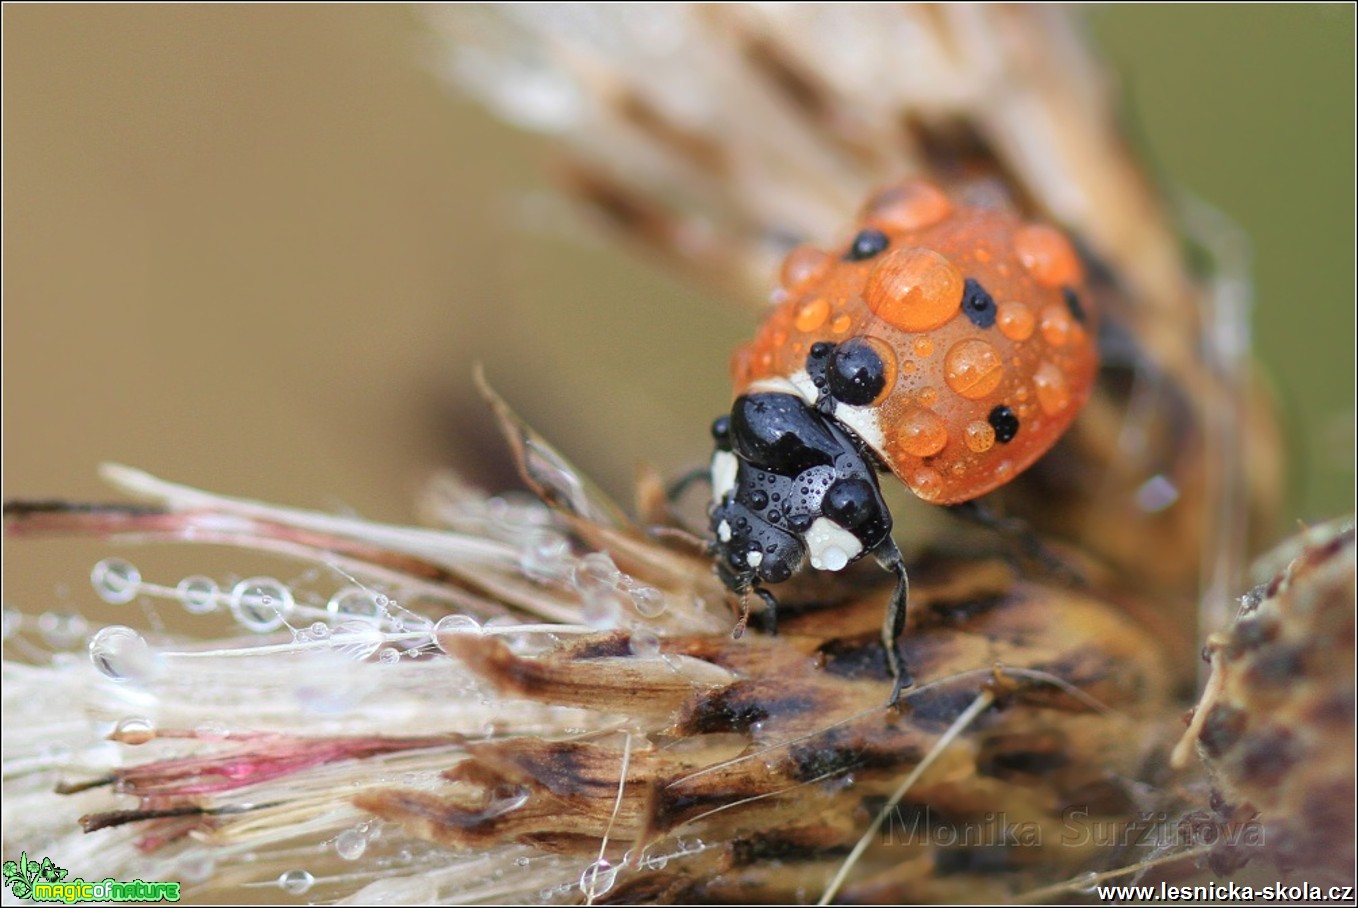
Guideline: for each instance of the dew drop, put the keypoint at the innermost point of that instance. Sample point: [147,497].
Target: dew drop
[597,579]
[1047,255]
[802,265]
[1053,393]
[596,571]
[922,433]
[134,730]
[449,625]
[973,369]
[115,580]
[649,601]
[1016,321]
[1054,323]
[812,314]
[926,483]
[261,604]
[644,644]
[296,882]
[121,654]
[545,556]
[319,630]
[388,655]
[598,878]
[354,602]
[914,289]
[979,436]
[199,594]
[351,844]
[62,629]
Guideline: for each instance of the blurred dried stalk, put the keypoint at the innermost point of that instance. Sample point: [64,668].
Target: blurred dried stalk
[541,702]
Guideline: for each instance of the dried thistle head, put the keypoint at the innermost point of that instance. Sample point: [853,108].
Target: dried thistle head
[599,727]
[1275,725]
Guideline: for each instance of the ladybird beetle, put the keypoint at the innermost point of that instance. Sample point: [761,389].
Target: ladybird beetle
[951,344]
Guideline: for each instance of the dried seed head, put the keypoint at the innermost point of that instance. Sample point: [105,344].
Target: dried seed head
[1276,723]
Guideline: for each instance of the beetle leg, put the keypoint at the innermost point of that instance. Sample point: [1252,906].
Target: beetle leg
[1018,534]
[893,623]
[676,489]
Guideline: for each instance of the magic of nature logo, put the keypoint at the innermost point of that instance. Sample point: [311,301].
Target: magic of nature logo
[44,881]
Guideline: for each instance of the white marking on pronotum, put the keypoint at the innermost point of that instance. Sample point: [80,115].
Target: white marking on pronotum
[863,422]
[830,545]
[724,531]
[777,385]
[724,465]
[806,388]
[754,559]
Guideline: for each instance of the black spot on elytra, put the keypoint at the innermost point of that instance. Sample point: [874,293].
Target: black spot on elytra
[1077,309]
[868,243]
[978,304]
[1004,422]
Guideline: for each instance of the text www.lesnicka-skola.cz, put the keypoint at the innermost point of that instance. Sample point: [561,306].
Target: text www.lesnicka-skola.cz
[1226,892]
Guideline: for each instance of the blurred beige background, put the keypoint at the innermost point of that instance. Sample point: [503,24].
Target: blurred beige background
[259,248]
